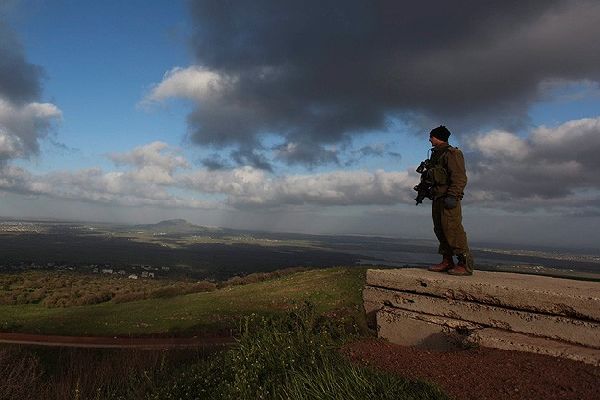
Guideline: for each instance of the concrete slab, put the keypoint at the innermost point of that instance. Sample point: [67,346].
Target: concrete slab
[539,294]
[515,341]
[572,330]
[414,329]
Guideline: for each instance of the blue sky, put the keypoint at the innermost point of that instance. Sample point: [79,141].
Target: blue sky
[229,115]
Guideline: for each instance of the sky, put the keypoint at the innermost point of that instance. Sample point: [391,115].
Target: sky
[303,116]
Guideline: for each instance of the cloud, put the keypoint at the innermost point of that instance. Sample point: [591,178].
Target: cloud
[375,150]
[501,144]
[22,126]
[23,120]
[249,187]
[304,153]
[554,167]
[319,72]
[19,79]
[194,83]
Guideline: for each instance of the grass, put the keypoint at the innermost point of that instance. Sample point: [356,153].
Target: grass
[330,290]
[288,334]
[291,357]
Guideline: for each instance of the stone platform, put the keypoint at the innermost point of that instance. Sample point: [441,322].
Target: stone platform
[553,316]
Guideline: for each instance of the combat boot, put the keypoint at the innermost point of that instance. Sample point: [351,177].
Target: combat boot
[444,266]
[464,267]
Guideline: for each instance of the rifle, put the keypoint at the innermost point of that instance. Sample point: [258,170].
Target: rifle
[425,187]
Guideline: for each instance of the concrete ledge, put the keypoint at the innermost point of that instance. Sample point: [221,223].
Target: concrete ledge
[571,330]
[544,315]
[414,329]
[540,294]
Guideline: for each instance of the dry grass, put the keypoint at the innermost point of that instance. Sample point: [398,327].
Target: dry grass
[28,373]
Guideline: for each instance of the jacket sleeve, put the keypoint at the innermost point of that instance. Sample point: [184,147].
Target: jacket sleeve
[456,173]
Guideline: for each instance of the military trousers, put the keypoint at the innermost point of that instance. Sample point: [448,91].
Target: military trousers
[447,225]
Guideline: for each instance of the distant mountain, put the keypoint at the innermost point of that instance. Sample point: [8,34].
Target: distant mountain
[175,226]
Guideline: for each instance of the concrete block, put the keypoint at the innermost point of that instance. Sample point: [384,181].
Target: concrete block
[504,340]
[572,330]
[539,294]
[414,329]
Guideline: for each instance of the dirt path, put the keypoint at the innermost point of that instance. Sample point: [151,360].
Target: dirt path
[112,342]
[482,373]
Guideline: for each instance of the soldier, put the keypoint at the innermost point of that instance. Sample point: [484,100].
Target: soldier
[447,172]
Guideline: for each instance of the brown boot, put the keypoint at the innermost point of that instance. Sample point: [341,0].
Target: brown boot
[444,266]
[464,267]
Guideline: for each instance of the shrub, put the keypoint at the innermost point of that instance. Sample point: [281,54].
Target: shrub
[291,357]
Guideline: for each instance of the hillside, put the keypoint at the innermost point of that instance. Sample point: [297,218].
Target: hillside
[217,311]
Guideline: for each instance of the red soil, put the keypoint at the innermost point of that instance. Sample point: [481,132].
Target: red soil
[113,342]
[483,373]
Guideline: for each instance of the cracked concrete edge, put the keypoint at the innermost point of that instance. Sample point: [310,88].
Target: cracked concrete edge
[566,297]
[553,327]
[414,329]
[495,338]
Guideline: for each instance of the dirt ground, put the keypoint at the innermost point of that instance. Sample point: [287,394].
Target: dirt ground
[482,373]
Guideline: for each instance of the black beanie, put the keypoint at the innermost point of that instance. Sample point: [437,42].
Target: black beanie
[441,132]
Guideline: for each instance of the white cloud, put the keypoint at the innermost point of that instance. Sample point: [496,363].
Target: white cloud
[22,126]
[548,169]
[155,162]
[248,186]
[498,144]
[195,82]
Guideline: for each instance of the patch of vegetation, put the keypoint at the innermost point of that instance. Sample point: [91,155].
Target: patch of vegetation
[51,373]
[62,289]
[336,290]
[283,355]
[291,357]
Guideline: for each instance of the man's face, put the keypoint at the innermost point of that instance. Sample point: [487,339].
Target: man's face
[435,141]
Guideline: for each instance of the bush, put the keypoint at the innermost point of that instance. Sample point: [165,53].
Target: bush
[291,357]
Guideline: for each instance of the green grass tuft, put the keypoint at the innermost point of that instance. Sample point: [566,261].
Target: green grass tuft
[291,357]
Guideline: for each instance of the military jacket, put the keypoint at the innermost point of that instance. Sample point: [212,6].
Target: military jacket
[448,172]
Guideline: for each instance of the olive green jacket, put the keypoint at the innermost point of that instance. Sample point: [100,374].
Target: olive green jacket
[452,161]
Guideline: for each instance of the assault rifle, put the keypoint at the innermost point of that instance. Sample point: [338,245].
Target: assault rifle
[425,186]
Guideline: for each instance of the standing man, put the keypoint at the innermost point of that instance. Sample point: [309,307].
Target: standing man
[447,172]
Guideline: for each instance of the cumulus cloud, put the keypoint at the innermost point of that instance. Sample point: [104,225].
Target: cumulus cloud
[318,72]
[23,120]
[303,153]
[251,187]
[155,162]
[19,79]
[553,167]
[195,82]
[22,126]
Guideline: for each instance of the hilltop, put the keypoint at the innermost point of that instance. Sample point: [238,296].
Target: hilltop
[175,226]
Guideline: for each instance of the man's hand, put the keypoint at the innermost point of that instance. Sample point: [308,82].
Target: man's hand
[450,202]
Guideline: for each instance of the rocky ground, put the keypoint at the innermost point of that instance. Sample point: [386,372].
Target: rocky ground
[483,373]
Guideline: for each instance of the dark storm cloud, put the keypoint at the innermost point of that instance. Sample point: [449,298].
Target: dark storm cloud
[215,162]
[305,153]
[321,71]
[372,151]
[19,79]
[245,156]
[552,168]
